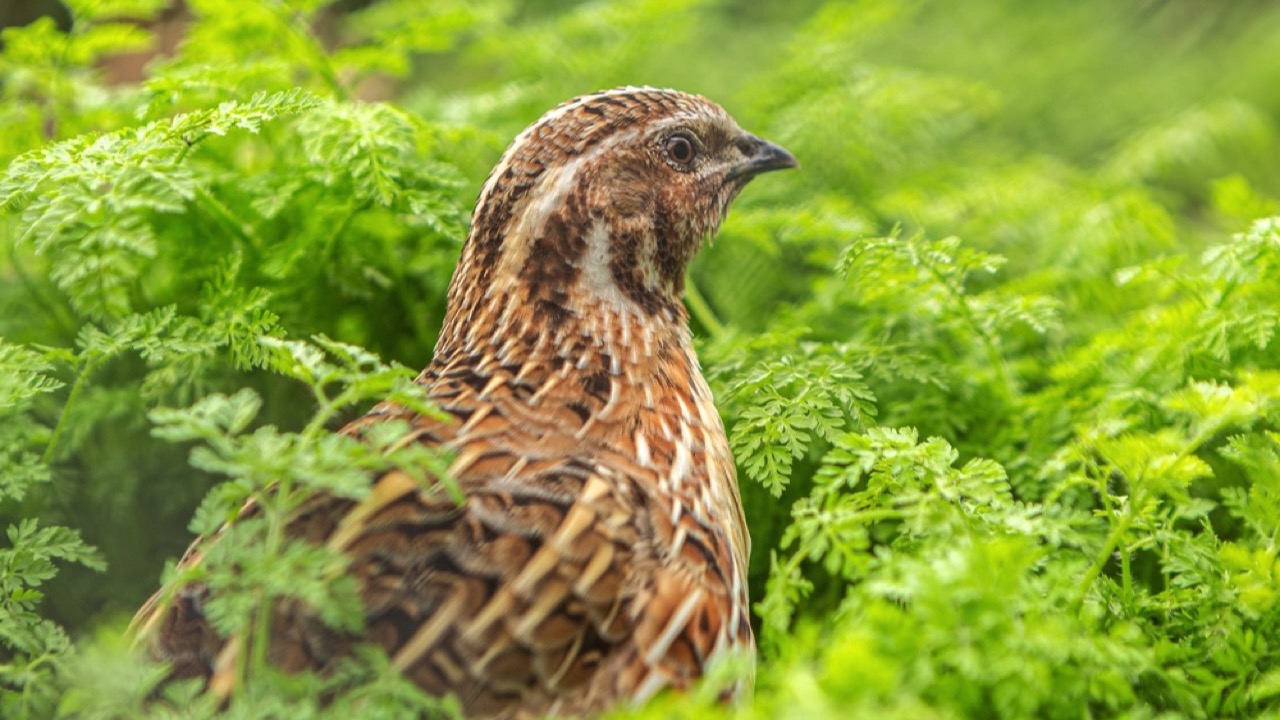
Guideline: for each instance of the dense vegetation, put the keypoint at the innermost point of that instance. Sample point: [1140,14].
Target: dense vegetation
[999,364]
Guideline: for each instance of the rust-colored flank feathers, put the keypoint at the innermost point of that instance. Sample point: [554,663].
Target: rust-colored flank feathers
[600,553]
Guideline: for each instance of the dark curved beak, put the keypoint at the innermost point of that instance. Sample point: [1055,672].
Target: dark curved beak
[760,156]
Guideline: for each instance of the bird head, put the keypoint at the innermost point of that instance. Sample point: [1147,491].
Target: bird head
[603,202]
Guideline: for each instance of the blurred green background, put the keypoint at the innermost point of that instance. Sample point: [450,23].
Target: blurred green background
[1078,139]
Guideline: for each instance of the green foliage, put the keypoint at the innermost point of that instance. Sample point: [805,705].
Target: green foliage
[34,649]
[998,365]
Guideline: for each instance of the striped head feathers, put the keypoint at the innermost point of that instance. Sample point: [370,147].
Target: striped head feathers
[602,203]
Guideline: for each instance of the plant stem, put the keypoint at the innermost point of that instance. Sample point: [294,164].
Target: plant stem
[51,306]
[994,358]
[1126,577]
[320,61]
[1113,541]
[223,214]
[90,365]
[276,507]
[702,311]
[182,154]
[262,621]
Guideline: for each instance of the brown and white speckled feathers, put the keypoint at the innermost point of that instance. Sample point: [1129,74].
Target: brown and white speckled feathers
[600,553]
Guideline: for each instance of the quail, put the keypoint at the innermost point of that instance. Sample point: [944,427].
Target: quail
[598,554]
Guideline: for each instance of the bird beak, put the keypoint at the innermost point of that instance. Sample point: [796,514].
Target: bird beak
[762,156]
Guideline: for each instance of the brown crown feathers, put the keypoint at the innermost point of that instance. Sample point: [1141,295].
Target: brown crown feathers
[600,553]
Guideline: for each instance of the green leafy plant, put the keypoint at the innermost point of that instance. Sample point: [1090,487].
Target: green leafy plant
[999,365]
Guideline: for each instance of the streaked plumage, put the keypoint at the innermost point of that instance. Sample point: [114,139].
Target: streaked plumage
[600,554]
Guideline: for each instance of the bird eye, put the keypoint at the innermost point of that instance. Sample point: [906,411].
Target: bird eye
[680,149]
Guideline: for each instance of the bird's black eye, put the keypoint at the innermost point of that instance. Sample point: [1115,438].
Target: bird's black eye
[680,149]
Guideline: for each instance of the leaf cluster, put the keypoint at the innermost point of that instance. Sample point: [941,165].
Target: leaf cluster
[998,366]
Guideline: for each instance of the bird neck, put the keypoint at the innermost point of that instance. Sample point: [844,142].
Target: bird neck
[520,326]
[558,282]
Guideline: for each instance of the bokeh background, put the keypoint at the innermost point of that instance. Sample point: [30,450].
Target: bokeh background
[1081,140]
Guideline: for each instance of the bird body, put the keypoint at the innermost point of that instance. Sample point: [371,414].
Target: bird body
[599,552]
